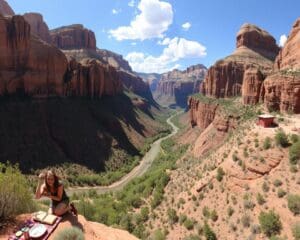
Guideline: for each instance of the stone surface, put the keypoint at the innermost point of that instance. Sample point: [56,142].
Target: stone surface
[73,37]
[151,78]
[177,85]
[5,9]
[281,90]
[28,65]
[114,59]
[38,26]
[252,61]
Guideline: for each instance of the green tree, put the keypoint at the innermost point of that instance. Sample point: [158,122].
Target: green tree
[270,223]
[208,232]
[281,139]
[294,153]
[173,218]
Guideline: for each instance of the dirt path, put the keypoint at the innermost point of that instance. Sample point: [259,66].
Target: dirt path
[136,172]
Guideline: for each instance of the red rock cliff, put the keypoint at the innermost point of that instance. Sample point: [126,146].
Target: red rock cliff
[73,37]
[177,85]
[38,26]
[26,64]
[242,72]
[281,90]
[5,9]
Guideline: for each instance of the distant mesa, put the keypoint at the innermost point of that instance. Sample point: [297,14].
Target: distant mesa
[73,37]
[5,9]
[175,86]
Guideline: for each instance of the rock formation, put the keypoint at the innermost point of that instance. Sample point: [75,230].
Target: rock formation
[151,78]
[114,59]
[38,26]
[177,85]
[73,37]
[5,9]
[281,90]
[28,65]
[242,72]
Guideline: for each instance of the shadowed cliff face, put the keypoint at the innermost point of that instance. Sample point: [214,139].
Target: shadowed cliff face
[41,133]
[242,72]
[281,90]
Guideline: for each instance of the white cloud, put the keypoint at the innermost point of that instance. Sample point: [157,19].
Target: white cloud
[165,41]
[154,19]
[178,48]
[131,3]
[115,11]
[133,43]
[282,40]
[186,26]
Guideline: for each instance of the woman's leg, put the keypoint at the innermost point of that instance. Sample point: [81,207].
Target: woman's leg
[61,209]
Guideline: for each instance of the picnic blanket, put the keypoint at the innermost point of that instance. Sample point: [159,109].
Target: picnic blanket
[50,229]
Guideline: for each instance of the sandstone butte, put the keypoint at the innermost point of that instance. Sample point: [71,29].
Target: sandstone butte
[281,90]
[5,9]
[38,26]
[79,43]
[179,84]
[92,230]
[33,67]
[243,72]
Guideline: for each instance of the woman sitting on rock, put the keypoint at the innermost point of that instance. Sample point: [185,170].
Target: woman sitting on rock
[49,186]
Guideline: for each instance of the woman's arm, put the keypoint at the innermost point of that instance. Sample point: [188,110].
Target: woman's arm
[39,190]
[60,190]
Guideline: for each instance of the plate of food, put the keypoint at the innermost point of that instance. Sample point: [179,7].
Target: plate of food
[37,231]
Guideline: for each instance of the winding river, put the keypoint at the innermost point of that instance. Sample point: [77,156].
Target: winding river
[136,172]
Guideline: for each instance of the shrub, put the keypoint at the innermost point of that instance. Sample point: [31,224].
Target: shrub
[246,220]
[214,215]
[71,233]
[205,212]
[296,231]
[265,187]
[192,237]
[15,197]
[260,199]
[281,193]
[230,211]
[189,224]
[220,174]
[277,182]
[294,138]
[281,139]
[158,235]
[267,143]
[209,233]
[294,203]
[270,223]
[235,157]
[294,153]
[173,218]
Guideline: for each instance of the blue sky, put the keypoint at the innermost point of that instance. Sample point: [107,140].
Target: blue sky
[158,35]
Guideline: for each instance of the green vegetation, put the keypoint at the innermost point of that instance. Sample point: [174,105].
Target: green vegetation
[296,231]
[281,193]
[260,199]
[270,223]
[71,233]
[294,153]
[220,174]
[158,235]
[208,232]
[15,197]
[120,208]
[281,139]
[267,143]
[294,203]
[229,106]
[173,218]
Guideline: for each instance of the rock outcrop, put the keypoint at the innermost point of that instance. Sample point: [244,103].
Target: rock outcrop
[177,85]
[281,90]
[242,72]
[5,9]
[91,78]
[73,37]
[28,65]
[151,78]
[114,59]
[38,26]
